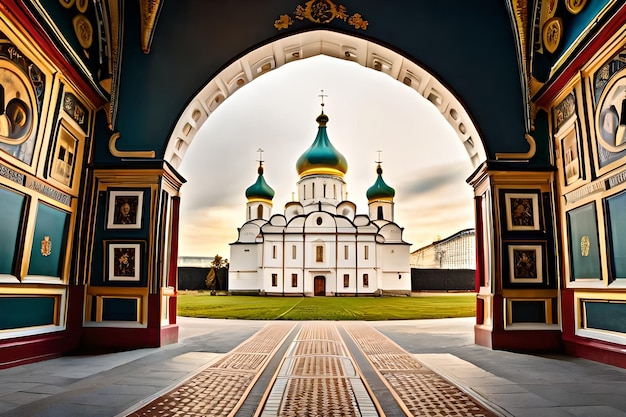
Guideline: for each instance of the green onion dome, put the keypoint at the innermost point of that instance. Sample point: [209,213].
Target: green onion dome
[260,190]
[322,157]
[380,190]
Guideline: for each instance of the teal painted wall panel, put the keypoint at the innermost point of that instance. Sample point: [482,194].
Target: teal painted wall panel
[583,231]
[53,223]
[26,312]
[616,207]
[119,309]
[604,315]
[11,207]
[528,312]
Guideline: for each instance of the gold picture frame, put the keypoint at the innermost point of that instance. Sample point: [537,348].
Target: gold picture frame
[526,264]
[125,209]
[123,261]
[522,211]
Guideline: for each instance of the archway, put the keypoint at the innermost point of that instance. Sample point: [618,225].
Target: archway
[309,44]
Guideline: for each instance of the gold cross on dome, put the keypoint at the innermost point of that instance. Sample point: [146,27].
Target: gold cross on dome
[379,161]
[322,96]
[260,151]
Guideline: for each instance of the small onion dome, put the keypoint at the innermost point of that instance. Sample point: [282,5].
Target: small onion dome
[322,157]
[380,190]
[260,190]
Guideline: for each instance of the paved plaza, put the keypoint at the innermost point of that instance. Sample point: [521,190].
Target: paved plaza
[283,368]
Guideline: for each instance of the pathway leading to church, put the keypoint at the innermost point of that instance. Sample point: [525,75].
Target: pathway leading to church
[316,369]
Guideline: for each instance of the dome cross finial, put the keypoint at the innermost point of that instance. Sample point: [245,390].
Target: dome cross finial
[260,151]
[322,96]
[379,160]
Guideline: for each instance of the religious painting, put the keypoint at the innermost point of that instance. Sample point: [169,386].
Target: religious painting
[125,208]
[525,263]
[64,157]
[522,211]
[571,156]
[584,247]
[615,208]
[123,261]
[610,113]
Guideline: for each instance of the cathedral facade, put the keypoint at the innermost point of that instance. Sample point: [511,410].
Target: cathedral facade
[320,246]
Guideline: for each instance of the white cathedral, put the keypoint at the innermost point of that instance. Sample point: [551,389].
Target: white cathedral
[320,246]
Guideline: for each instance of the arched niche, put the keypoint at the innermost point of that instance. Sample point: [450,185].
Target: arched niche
[309,44]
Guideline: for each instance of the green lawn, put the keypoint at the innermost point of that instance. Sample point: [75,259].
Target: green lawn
[201,304]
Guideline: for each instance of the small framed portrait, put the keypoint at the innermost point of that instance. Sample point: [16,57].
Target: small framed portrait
[125,208]
[123,261]
[63,164]
[522,211]
[570,153]
[525,263]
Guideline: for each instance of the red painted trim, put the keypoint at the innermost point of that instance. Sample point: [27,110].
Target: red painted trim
[611,28]
[173,272]
[599,351]
[480,253]
[18,14]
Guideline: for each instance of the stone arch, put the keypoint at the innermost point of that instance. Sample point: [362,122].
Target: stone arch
[321,42]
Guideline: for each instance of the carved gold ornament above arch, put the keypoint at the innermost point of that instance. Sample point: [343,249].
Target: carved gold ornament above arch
[322,12]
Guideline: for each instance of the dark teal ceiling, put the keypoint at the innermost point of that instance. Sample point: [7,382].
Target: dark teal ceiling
[468,45]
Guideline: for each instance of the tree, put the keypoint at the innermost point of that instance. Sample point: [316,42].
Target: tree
[219,266]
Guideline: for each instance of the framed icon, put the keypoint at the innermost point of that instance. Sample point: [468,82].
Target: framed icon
[522,211]
[123,261]
[525,263]
[125,208]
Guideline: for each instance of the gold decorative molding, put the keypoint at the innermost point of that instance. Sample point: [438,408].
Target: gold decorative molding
[149,11]
[518,155]
[127,154]
[322,12]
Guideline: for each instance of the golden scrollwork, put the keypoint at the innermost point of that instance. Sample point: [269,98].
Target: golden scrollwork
[322,12]
[283,22]
[126,154]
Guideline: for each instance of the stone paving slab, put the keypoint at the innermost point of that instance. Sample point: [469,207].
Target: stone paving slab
[220,389]
[420,391]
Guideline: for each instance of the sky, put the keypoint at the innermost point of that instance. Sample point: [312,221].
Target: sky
[422,157]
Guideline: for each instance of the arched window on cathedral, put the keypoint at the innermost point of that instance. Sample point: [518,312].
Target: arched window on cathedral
[259,211]
[380,213]
[313,190]
[324,190]
[334,190]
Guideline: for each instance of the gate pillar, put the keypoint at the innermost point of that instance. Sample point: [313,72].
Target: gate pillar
[517,281]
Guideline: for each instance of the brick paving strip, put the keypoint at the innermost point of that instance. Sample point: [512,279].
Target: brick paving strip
[221,388]
[418,390]
[318,378]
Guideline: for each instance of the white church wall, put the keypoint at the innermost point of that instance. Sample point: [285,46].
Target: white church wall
[244,281]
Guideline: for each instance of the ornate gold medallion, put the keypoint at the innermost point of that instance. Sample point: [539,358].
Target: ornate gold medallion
[575,6]
[83,30]
[552,33]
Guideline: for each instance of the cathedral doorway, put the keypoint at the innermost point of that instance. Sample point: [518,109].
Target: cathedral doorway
[319,285]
